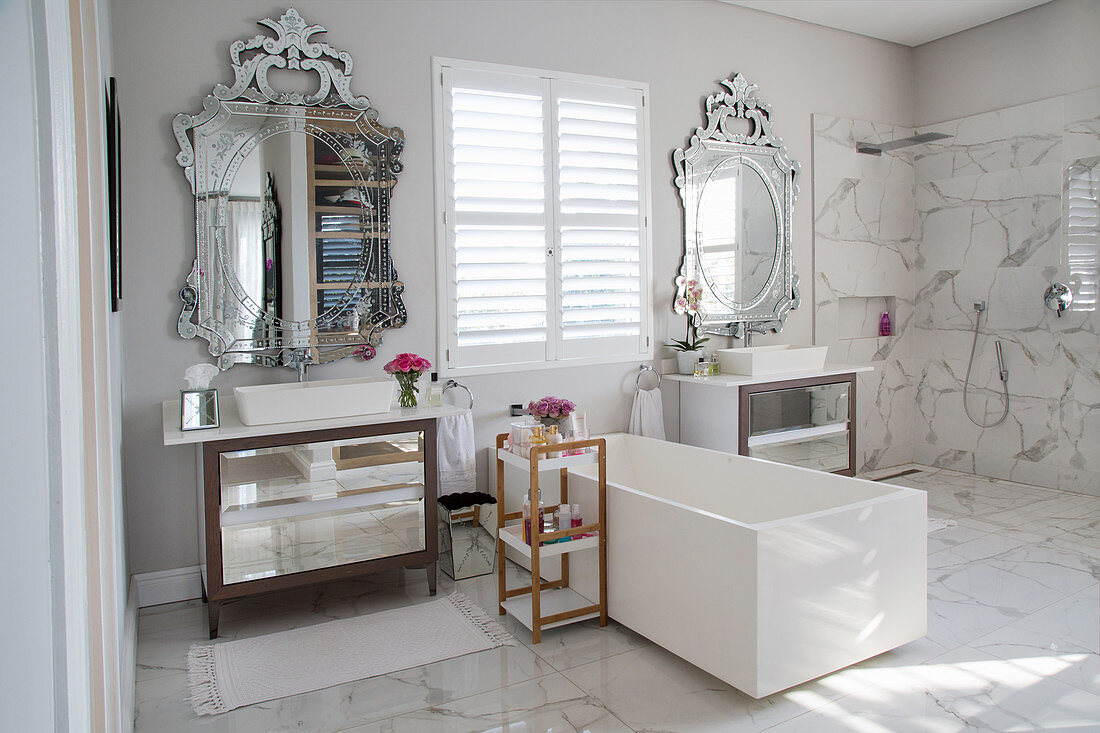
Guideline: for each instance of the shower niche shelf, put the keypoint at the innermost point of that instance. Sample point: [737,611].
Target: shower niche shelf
[858,316]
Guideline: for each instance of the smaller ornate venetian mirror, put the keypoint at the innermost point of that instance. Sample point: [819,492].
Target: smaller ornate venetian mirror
[738,188]
[292,207]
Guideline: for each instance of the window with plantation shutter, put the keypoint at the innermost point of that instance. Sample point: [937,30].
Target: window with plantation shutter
[544,247]
[1082,203]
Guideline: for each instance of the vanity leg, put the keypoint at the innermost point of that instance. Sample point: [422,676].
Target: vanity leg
[431,578]
[213,612]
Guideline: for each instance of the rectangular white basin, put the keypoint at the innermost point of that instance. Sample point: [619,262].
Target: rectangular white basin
[754,361]
[263,404]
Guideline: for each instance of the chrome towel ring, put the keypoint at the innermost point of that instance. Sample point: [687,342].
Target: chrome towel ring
[642,370]
[452,383]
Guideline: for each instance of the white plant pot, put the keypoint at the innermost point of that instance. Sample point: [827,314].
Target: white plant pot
[685,361]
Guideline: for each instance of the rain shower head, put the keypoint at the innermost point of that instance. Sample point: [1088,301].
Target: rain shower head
[878,148]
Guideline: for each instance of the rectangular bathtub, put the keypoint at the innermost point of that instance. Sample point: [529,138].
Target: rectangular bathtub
[764,575]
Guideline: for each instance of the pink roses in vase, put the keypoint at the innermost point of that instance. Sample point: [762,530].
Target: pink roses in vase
[551,410]
[407,368]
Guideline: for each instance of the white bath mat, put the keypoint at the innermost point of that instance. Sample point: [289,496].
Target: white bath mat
[225,676]
[935,524]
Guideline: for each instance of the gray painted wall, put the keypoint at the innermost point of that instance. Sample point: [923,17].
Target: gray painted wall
[169,54]
[1046,51]
[31,646]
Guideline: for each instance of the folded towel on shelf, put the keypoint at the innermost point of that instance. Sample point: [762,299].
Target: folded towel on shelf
[455,446]
[647,416]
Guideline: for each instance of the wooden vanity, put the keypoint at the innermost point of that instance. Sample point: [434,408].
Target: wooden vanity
[289,505]
[803,419]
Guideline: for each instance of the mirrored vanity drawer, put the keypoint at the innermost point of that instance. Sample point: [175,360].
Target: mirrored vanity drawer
[804,423]
[295,508]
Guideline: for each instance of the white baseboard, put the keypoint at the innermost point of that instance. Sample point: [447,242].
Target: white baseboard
[129,657]
[168,586]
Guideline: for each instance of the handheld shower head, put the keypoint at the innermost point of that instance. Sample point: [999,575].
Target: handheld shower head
[1001,361]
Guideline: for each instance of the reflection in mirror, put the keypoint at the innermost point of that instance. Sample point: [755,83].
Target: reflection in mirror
[271,499]
[736,233]
[292,196]
[738,187]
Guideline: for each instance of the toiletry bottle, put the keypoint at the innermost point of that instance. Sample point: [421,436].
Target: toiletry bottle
[537,436]
[715,367]
[435,391]
[575,519]
[527,520]
[884,326]
[541,518]
[702,368]
[580,431]
[553,437]
[565,520]
[549,524]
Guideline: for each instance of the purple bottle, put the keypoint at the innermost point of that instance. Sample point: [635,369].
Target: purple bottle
[884,324]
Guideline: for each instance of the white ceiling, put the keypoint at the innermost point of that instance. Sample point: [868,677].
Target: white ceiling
[909,22]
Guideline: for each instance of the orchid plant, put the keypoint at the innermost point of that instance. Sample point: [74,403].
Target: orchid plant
[407,368]
[689,302]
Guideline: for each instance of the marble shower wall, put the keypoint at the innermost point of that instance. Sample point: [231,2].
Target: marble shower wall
[989,227]
[864,253]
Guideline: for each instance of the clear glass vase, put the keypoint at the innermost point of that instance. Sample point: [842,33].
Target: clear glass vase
[406,381]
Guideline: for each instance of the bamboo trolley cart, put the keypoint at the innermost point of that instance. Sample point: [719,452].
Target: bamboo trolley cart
[528,604]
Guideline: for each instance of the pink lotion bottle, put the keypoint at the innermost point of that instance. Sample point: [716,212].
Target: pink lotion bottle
[575,519]
[884,326]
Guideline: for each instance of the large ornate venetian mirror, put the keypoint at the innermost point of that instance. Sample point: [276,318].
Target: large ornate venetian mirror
[292,207]
[738,188]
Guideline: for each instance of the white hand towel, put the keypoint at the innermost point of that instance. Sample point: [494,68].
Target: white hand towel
[455,443]
[647,416]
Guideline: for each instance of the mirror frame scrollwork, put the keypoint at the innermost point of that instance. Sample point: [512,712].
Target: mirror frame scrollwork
[708,147]
[211,278]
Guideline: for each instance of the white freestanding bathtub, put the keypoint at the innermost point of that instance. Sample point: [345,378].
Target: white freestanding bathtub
[762,574]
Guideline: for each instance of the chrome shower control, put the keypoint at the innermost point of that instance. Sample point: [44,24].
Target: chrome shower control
[1058,298]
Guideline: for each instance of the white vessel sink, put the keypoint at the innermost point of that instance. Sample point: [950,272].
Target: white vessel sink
[263,404]
[753,361]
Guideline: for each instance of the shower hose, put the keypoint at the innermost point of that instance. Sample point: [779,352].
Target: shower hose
[970,366]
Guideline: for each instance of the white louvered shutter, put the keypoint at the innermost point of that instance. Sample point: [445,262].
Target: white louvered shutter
[547,253]
[498,217]
[601,219]
[1083,231]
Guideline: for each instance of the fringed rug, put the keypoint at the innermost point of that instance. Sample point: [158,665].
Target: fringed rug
[237,673]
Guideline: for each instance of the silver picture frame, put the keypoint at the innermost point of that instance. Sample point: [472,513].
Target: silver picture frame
[199,409]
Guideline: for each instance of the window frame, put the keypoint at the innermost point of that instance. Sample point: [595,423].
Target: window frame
[444,264]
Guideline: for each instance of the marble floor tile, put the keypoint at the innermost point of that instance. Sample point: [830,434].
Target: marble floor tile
[653,690]
[551,703]
[571,646]
[1066,633]
[963,690]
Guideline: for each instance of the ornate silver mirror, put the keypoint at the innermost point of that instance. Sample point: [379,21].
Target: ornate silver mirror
[292,208]
[738,188]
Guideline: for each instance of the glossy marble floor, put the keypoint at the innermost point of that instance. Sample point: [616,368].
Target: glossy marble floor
[1012,645]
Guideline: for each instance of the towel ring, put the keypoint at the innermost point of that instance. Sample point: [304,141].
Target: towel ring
[642,370]
[453,383]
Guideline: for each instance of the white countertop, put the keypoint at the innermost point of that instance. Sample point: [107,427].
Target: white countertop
[232,427]
[738,380]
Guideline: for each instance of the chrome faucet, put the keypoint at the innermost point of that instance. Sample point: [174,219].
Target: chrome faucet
[302,360]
